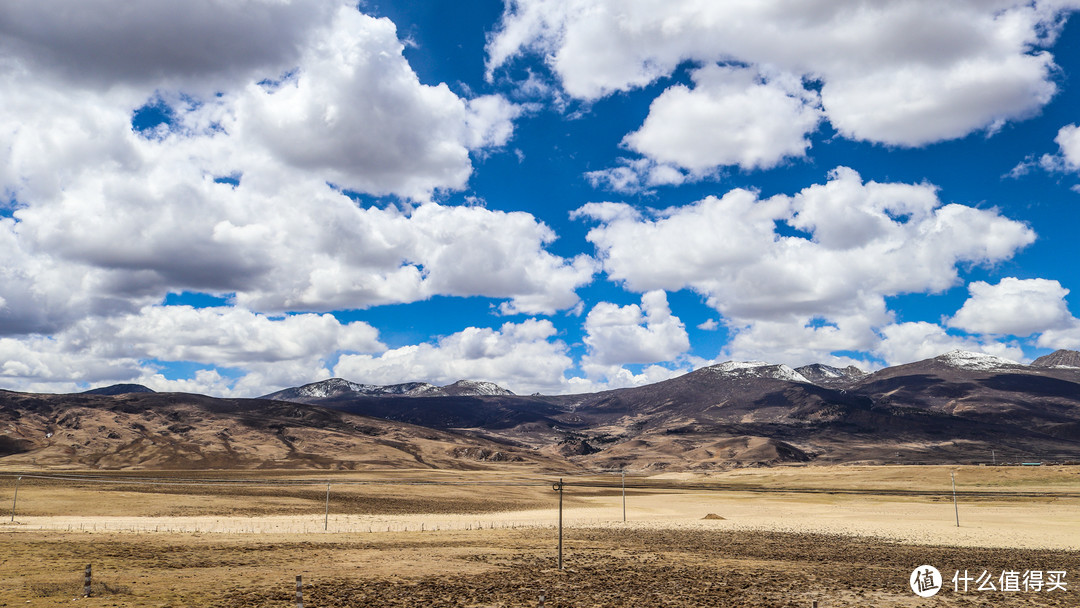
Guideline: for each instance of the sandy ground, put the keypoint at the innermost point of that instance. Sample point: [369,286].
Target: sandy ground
[1053,524]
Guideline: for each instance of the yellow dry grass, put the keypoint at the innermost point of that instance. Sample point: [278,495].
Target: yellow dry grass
[211,545]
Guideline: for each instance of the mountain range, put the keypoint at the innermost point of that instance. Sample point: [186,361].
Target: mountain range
[957,407]
[147,430]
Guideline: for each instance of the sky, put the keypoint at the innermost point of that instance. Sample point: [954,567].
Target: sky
[230,197]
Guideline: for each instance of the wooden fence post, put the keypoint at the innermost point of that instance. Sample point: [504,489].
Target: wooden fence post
[542,598]
[299,593]
[86,582]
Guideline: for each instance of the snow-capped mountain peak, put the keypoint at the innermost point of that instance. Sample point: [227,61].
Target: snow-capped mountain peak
[966,359]
[409,389]
[338,388]
[474,387]
[329,388]
[758,369]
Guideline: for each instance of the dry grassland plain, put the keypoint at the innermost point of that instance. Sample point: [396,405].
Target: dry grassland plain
[783,536]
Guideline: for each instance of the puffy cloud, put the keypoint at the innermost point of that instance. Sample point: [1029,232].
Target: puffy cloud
[102,43]
[39,363]
[300,246]
[202,382]
[803,340]
[356,113]
[609,377]
[616,335]
[225,336]
[1066,160]
[268,352]
[476,251]
[1017,307]
[1068,139]
[1067,337]
[909,342]
[243,354]
[804,274]
[633,176]
[732,116]
[860,239]
[522,357]
[903,73]
[108,220]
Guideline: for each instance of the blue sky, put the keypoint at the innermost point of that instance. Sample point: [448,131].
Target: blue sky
[554,196]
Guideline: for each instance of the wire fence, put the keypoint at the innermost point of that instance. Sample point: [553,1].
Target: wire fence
[586,482]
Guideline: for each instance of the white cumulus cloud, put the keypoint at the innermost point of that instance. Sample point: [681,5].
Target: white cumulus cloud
[609,377]
[306,99]
[225,336]
[732,116]
[902,73]
[617,335]
[633,176]
[811,293]
[523,357]
[265,351]
[355,112]
[1066,160]
[709,325]
[1017,307]
[916,341]
[1067,337]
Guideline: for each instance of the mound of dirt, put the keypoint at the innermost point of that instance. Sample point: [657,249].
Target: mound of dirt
[713,516]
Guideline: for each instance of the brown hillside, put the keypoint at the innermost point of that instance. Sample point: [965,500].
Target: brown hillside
[182,431]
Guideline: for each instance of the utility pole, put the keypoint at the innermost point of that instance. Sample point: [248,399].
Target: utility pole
[994,456]
[955,508]
[16,499]
[558,487]
[624,497]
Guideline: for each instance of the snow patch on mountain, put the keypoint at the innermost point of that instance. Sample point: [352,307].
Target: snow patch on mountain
[329,388]
[758,369]
[408,389]
[830,372]
[474,387]
[339,387]
[738,366]
[965,359]
[829,375]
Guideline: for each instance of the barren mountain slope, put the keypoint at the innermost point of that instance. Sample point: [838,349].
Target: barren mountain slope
[179,431]
[986,389]
[955,407]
